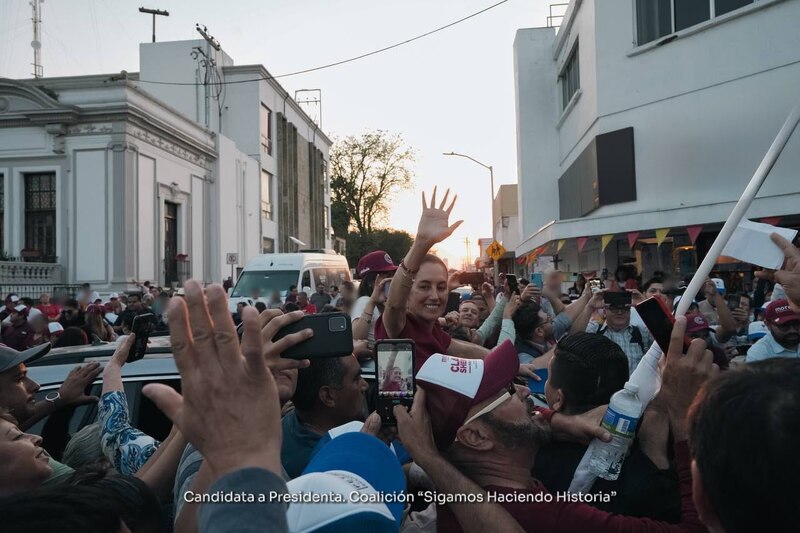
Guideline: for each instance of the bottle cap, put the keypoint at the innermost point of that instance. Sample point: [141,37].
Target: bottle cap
[631,387]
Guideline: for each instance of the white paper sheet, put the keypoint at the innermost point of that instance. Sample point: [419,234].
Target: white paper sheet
[751,243]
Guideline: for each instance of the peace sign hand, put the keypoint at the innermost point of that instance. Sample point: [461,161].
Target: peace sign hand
[434,225]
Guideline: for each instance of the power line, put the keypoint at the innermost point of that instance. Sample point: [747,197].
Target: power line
[350,60]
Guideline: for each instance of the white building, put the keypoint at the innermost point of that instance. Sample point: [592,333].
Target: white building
[103,183]
[264,121]
[644,114]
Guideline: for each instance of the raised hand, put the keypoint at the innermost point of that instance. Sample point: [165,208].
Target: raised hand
[72,391]
[223,384]
[789,275]
[434,226]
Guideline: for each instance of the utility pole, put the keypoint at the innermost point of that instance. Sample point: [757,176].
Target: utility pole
[469,251]
[154,12]
[311,100]
[36,43]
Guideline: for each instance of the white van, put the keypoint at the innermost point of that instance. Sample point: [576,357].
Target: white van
[277,272]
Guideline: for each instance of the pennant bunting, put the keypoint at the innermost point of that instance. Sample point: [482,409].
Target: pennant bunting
[632,236]
[605,240]
[694,232]
[521,260]
[661,234]
[772,221]
[560,244]
[581,243]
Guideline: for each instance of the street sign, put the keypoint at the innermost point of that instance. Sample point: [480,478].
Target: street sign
[495,251]
[232,258]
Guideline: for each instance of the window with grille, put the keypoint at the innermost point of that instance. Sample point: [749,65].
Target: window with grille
[266,195]
[266,129]
[40,216]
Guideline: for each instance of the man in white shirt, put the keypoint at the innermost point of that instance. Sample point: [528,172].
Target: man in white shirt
[783,339]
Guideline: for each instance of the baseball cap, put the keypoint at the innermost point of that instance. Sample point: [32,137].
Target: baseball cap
[360,470]
[453,385]
[10,358]
[21,309]
[779,312]
[377,261]
[55,327]
[13,297]
[756,330]
[695,323]
[113,296]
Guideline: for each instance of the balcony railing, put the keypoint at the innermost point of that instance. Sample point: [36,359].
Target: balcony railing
[26,273]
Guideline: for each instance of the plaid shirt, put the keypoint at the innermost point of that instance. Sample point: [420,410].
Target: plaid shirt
[624,339]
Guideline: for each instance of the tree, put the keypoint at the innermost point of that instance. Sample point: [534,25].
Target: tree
[396,243]
[366,171]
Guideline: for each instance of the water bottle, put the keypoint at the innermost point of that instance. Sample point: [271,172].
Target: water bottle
[620,420]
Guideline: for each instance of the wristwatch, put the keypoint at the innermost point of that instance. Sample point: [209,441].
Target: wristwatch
[52,397]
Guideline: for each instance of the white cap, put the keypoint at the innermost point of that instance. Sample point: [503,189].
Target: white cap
[756,330]
[20,308]
[33,313]
[55,327]
[113,295]
[111,318]
[14,298]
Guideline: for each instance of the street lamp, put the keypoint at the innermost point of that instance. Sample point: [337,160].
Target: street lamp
[491,200]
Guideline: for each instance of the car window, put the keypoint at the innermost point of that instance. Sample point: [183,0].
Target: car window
[306,280]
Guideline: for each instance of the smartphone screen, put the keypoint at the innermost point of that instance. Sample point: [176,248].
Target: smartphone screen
[453,302]
[659,321]
[142,327]
[395,376]
[734,301]
[386,287]
[536,279]
[513,287]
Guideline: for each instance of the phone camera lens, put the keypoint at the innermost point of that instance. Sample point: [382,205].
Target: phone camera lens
[337,324]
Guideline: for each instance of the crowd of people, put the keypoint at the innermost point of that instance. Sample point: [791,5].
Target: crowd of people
[265,443]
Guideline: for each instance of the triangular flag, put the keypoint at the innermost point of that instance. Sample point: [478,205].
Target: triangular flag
[772,221]
[521,260]
[560,244]
[661,234]
[694,232]
[604,240]
[581,243]
[632,236]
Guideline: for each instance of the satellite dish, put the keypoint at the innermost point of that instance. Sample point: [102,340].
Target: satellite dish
[36,45]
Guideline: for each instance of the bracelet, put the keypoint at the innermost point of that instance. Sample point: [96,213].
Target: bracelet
[404,267]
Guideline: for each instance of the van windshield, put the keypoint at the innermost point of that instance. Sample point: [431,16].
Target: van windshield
[264,281]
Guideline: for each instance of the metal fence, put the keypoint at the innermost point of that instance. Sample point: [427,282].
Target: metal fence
[35,290]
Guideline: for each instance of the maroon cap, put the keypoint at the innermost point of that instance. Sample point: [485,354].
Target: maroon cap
[377,261]
[780,312]
[453,385]
[695,323]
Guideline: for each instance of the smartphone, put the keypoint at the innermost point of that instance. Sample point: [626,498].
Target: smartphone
[536,279]
[471,278]
[453,302]
[734,301]
[142,327]
[395,377]
[386,287]
[596,285]
[513,286]
[333,336]
[659,320]
[617,298]
[537,387]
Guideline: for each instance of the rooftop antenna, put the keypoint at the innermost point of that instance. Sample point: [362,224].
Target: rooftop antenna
[154,12]
[204,32]
[36,43]
[313,99]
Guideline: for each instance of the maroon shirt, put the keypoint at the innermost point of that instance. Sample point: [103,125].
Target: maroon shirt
[569,516]
[20,338]
[426,343]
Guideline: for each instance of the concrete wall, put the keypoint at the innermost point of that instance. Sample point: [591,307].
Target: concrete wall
[704,107]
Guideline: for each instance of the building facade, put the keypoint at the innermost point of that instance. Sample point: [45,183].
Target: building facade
[641,115]
[104,184]
[264,121]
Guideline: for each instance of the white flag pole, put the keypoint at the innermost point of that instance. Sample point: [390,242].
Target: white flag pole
[739,211]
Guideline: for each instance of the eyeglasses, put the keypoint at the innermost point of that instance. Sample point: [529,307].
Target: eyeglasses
[511,391]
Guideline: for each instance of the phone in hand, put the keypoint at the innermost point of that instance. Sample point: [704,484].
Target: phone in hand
[617,298]
[142,327]
[536,279]
[659,320]
[471,278]
[333,336]
[734,301]
[537,387]
[386,287]
[596,285]
[453,302]
[395,376]
[513,285]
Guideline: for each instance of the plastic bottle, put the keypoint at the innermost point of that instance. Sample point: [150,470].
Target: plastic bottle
[621,420]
